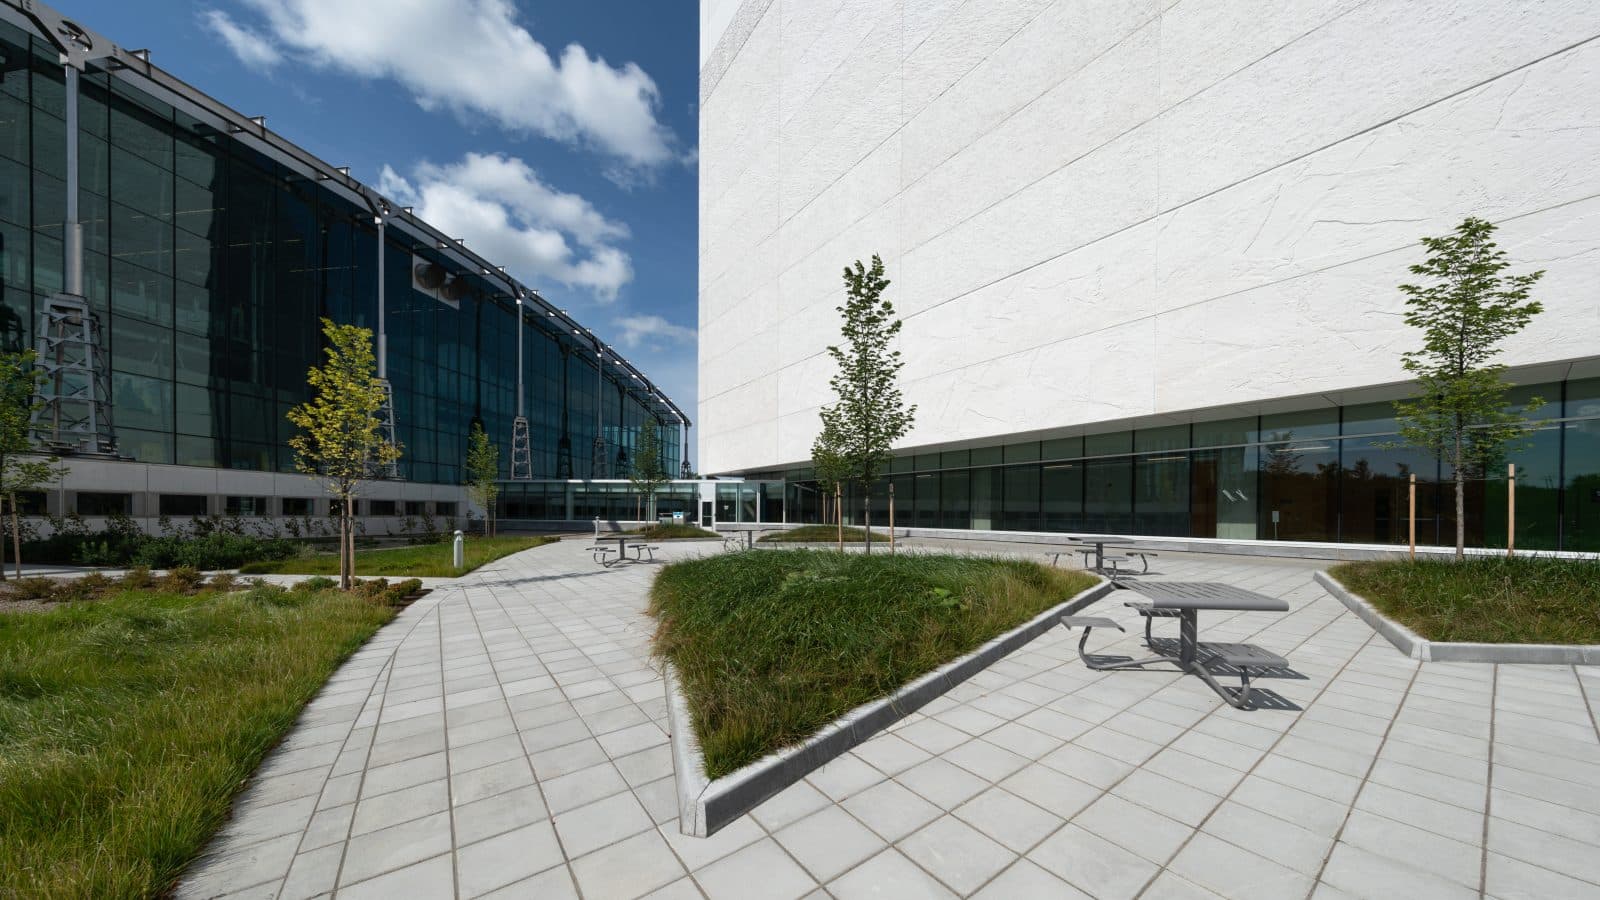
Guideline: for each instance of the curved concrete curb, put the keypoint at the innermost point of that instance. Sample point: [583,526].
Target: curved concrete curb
[1418,647]
[704,806]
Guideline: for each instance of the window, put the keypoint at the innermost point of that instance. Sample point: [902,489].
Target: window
[416,508]
[296,506]
[380,507]
[444,508]
[246,506]
[31,503]
[173,504]
[104,504]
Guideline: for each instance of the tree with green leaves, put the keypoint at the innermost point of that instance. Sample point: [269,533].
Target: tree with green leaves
[870,414]
[828,464]
[21,469]
[483,474]
[341,439]
[1467,308]
[648,474]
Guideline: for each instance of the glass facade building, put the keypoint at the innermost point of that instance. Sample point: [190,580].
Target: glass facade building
[1332,474]
[211,253]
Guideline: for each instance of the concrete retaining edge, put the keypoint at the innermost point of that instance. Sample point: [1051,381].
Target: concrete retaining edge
[1420,648]
[705,806]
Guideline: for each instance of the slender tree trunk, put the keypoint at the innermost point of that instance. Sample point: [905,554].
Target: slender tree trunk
[1461,503]
[866,517]
[346,559]
[3,548]
[16,536]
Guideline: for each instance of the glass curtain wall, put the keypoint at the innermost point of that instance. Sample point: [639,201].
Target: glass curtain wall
[1330,474]
[210,265]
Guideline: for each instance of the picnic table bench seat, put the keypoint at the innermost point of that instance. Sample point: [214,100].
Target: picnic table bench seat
[600,554]
[647,548]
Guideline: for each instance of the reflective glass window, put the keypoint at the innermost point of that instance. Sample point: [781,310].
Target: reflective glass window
[1161,494]
[1108,444]
[1108,495]
[1062,491]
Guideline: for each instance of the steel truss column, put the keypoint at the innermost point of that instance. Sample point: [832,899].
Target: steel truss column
[74,414]
[521,451]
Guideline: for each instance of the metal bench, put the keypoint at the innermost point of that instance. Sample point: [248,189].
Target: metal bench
[1243,658]
[1088,624]
[1144,559]
[642,549]
[600,554]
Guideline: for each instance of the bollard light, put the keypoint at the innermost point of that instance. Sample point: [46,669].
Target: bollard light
[460,556]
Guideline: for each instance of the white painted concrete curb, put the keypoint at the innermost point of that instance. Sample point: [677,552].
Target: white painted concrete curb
[1420,648]
[704,806]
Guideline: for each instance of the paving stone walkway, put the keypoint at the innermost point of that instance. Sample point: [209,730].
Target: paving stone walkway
[505,736]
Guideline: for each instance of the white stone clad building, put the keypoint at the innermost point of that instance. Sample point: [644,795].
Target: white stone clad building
[1121,216]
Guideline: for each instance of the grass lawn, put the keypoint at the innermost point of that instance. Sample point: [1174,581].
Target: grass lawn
[421,561]
[671,532]
[127,724]
[771,646]
[822,534]
[1524,600]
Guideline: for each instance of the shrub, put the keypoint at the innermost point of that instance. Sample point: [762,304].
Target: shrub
[89,587]
[223,581]
[36,587]
[183,580]
[137,578]
[316,583]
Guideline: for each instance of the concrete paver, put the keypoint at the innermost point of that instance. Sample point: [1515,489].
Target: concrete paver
[506,736]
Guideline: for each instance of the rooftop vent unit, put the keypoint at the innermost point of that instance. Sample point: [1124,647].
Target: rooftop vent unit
[435,280]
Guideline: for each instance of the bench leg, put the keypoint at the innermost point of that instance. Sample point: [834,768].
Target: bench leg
[1147,621]
[1242,701]
[1126,664]
[1145,570]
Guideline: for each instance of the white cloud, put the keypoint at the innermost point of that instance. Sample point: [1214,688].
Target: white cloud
[509,216]
[638,330]
[474,58]
[252,48]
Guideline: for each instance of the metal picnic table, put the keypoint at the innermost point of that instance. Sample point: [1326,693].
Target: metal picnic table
[1186,599]
[1100,542]
[750,529]
[622,548]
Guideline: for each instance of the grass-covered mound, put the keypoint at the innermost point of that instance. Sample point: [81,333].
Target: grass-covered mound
[772,646]
[127,723]
[423,561]
[672,532]
[1485,599]
[823,534]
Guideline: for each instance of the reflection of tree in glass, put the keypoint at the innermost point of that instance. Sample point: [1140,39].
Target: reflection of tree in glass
[12,329]
[1280,459]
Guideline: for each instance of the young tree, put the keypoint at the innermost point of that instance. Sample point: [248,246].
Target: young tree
[647,474]
[341,440]
[20,469]
[1460,415]
[483,474]
[870,415]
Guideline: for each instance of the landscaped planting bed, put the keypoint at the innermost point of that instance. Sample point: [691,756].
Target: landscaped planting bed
[129,719]
[1484,599]
[823,534]
[772,646]
[672,532]
[422,561]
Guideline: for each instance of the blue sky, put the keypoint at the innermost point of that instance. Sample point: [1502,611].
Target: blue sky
[557,137]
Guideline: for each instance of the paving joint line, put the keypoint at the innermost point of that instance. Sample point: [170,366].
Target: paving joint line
[1488,780]
[1366,776]
[366,765]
